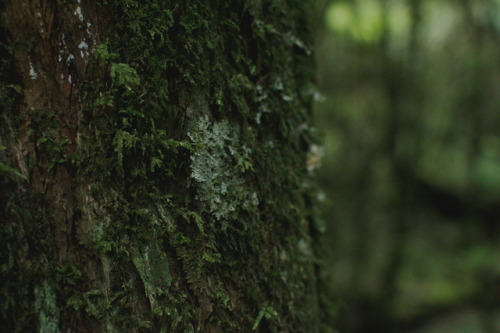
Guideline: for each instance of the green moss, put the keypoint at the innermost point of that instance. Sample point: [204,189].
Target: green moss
[153,267]
[124,76]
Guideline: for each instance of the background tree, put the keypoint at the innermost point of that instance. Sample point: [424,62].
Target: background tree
[153,167]
[412,163]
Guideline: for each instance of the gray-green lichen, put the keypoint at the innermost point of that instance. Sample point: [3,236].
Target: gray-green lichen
[46,308]
[217,167]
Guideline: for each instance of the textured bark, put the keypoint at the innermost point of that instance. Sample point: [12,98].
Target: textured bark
[154,167]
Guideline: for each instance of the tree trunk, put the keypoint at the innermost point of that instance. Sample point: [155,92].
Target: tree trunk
[153,166]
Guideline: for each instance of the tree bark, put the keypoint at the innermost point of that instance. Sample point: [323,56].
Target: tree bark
[153,167]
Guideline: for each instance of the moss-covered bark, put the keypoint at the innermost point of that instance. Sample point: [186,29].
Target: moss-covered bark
[153,171]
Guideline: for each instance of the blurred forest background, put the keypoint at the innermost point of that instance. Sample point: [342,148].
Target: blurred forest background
[409,108]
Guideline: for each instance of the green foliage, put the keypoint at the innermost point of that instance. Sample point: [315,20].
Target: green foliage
[54,150]
[92,303]
[103,54]
[124,76]
[7,171]
[267,312]
[104,99]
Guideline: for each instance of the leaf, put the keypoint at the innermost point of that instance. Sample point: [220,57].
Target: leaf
[5,169]
[124,76]
[266,311]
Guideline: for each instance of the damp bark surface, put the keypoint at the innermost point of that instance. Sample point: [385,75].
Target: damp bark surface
[153,167]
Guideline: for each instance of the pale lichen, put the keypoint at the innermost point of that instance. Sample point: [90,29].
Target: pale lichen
[33,73]
[46,308]
[84,47]
[221,187]
[78,12]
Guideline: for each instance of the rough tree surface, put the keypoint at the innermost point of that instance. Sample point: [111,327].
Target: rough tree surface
[153,166]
